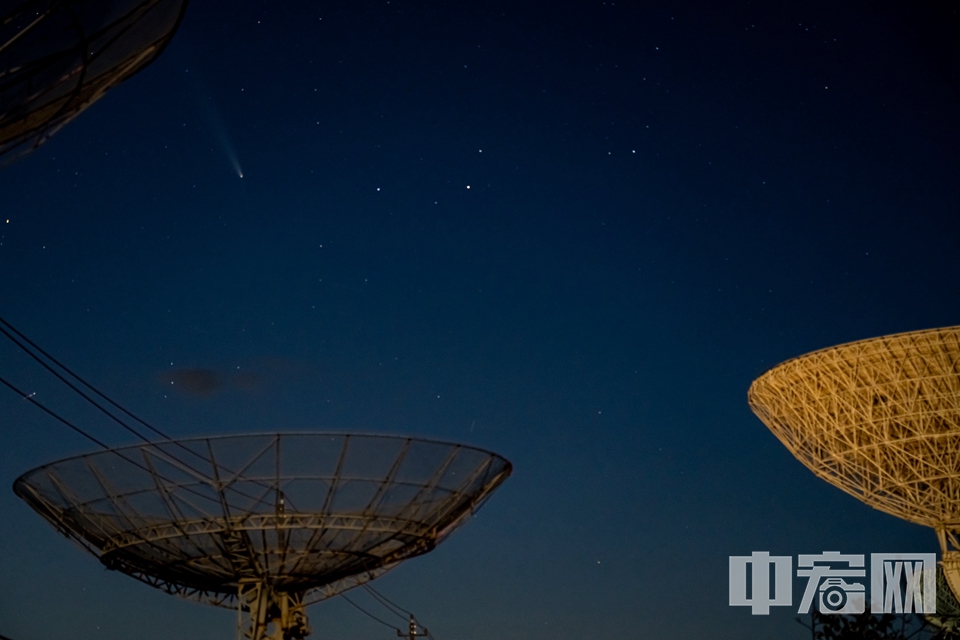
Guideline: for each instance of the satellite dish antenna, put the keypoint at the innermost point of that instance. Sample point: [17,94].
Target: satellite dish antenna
[57,57]
[266,524]
[880,419]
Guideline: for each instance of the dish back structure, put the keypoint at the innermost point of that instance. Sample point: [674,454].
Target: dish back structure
[880,419]
[264,523]
[57,57]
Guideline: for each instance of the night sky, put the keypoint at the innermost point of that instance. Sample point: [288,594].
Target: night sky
[572,234]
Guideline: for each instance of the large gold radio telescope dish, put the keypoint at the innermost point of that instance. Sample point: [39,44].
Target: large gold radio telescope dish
[880,419]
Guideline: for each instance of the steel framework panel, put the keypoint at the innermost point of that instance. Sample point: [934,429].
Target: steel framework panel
[878,418]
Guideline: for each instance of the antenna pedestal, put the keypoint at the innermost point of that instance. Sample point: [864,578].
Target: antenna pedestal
[950,559]
[266,614]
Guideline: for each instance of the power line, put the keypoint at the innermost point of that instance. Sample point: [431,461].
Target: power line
[82,381]
[29,398]
[33,345]
[391,606]
[120,453]
[17,341]
[368,614]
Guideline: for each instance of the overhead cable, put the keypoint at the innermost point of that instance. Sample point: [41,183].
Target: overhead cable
[368,614]
[29,398]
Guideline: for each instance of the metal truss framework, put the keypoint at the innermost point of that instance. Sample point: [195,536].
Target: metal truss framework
[264,523]
[880,419]
[57,57]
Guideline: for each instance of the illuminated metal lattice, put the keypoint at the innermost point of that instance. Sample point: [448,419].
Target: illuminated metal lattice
[880,419]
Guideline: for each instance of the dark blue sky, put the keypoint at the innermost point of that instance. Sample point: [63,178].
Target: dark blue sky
[572,235]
